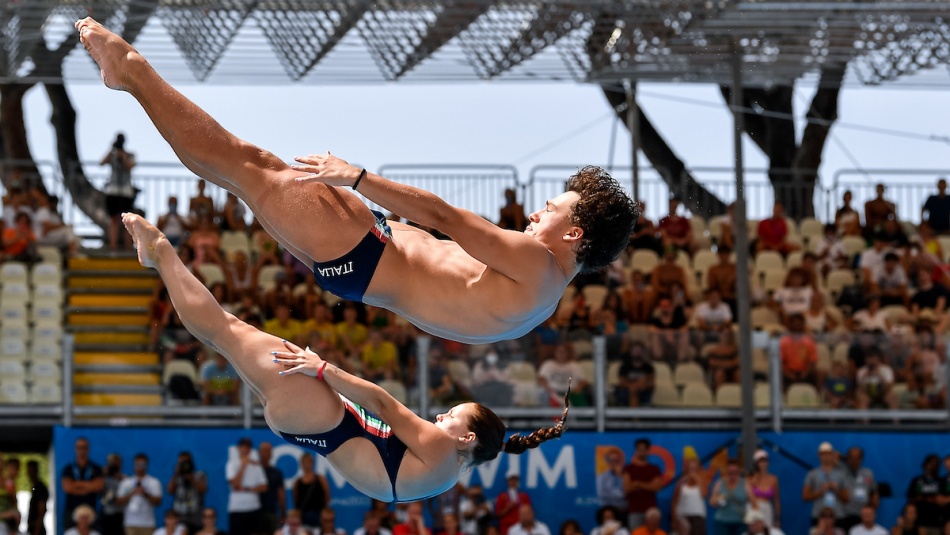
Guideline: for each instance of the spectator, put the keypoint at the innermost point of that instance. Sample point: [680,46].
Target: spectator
[83,518]
[9,509]
[929,296]
[19,242]
[282,325]
[555,375]
[176,341]
[492,383]
[328,524]
[890,281]
[773,233]
[878,210]
[810,271]
[726,222]
[221,383]
[818,321]
[765,488]
[794,297]
[48,227]
[172,525]
[120,195]
[872,259]
[651,523]
[113,514]
[722,278]
[669,336]
[173,224]
[209,522]
[798,352]
[139,493]
[246,480]
[292,525]
[82,482]
[415,522]
[311,492]
[507,504]
[609,522]
[711,314]
[240,276]
[641,481]
[860,480]
[511,216]
[570,527]
[527,523]
[379,357]
[873,318]
[321,322]
[907,521]
[274,499]
[201,206]
[443,389]
[838,391]
[609,483]
[868,525]
[826,523]
[676,231]
[874,382]
[372,525]
[666,274]
[688,507]
[923,492]
[831,251]
[39,496]
[635,380]
[637,298]
[350,333]
[233,215]
[825,486]
[936,209]
[757,524]
[645,235]
[476,511]
[731,496]
[188,487]
[722,358]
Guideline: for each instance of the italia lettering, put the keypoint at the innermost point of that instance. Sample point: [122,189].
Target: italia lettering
[336,271]
[316,442]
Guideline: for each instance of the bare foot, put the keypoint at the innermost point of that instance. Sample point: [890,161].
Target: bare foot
[111,53]
[147,239]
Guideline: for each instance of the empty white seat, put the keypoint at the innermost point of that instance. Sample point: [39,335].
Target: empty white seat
[665,395]
[50,291]
[46,392]
[15,291]
[13,392]
[233,241]
[729,395]
[687,373]
[212,274]
[14,329]
[45,369]
[13,348]
[526,394]
[644,260]
[696,395]
[459,371]
[179,367]
[13,272]
[47,273]
[50,254]
[46,309]
[51,330]
[12,369]
[46,349]
[522,371]
[802,395]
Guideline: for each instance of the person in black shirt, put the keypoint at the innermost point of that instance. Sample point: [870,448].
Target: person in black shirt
[274,499]
[38,500]
[82,482]
[929,295]
[923,492]
[937,208]
[669,337]
[636,378]
[188,487]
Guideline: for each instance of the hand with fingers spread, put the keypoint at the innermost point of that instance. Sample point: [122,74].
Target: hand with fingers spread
[327,168]
[299,360]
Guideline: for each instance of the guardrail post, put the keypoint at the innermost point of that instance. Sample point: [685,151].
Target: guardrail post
[67,348]
[775,386]
[246,405]
[600,381]
[422,369]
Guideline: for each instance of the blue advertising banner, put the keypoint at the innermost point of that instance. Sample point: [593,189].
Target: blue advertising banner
[560,476]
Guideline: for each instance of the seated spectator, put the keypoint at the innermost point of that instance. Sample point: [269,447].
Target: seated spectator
[799,354]
[826,524]
[645,235]
[379,357]
[929,296]
[351,333]
[862,341]
[570,527]
[511,216]
[727,234]
[174,226]
[847,219]
[209,522]
[722,278]
[233,215]
[220,381]
[176,342]
[205,239]
[415,522]
[831,252]
[268,251]
[328,524]
[722,358]
[282,325]
[890,281]
[874,382]
[818,321]
[710,315]
[293,525]
[240,275]
[637,298]
[907,521]
[757,525]
[635,378]
[669,337]
[555,376]
[476,511]
[172,525]
[794,298]
[872,318]
[48,226]
[924,491]
[577,320]
[610,319]
[872,259]
[838,391]
[450,524]
[84,517]
[201,205]
[527,524]
[443,390]
[809,269]
[19,242]
[372,524]
[492,384]
[666,274]
[773,233]
[321,322]
[893,233]
[877,211]
[923,392]
[676,231]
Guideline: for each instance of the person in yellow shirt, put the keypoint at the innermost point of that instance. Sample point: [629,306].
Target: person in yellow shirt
[282,325]
[379,357]
[321,323]
[351,333]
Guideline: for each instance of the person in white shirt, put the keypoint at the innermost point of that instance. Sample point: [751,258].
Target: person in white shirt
[831,251]
[868,525]
[555,375]
[172,525]
[795,296]
[712,313]
[755,521]
[527,524]
[873,258]
[872,318]
[890,280]
[247,480]
[371,525]
[83,516]
[292,524]
[874,382]
[140,493]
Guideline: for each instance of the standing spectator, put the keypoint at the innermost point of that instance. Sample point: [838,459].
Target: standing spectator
[799,354]
[610,481]
[328,524]
[201,206]
[209,523]
[39,496]
[847,218]
[731,496]
[874,382]
[907,521]
[311,492]
[140,493]
[826,523]
[924,491]
[635,383]
[511,215]
[173,525]
[860,480]
[113,514]
[877,211]
[507,503]
[645,234]
[937,209]
[233,215]
[120,195]
[293,525]
[247,480]
[221,383]
[722,278]
[676,231]
[773,233]
[641,481]
[527,523]
[415,522]
[83,518]
[476,511]
[651,523]
[825,486]
[372,525]
[765,488]
[608,522]
[9,509]
[188,487]
[868,525]
[688,508]
[274,499]
[173,224]
[82,482]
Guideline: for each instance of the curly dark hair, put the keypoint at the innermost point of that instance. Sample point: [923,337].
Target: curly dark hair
[605,213]
[490,432]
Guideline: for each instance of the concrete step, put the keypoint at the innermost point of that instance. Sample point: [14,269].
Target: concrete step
[117,399]
[109,300]
[111,281]
[113,347]
[87,319]
[111,339]
[116,379]
[94,264]
[103,358]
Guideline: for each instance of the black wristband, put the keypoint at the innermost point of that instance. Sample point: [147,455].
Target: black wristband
[362,174]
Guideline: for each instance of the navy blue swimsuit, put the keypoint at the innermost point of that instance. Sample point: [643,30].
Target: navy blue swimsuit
[350,275]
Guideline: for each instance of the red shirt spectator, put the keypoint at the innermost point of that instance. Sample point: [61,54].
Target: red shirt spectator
[507,504]
[772,232]
[415,522]
[641,481]
[20,237]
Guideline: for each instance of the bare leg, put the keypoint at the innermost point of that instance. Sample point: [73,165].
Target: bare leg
[248,349]
[315,221]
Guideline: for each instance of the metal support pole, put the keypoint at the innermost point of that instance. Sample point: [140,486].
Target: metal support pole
[422,368]
[633,125]
[775,386]
[246,406]
[68,345]
[600,381]
[743,291]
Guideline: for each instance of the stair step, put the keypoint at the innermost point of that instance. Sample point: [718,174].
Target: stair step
[110,282]
[107,310]
[114,368]
[127,379]
[109,291]
[109,348]
[112,338]
[105,253]
[106,328]
[109,300]
[96,358]
[118,389]
[115,399]
[106,320]
[93,264]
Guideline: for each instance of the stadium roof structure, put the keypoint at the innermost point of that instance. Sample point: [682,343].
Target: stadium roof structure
[593,41]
